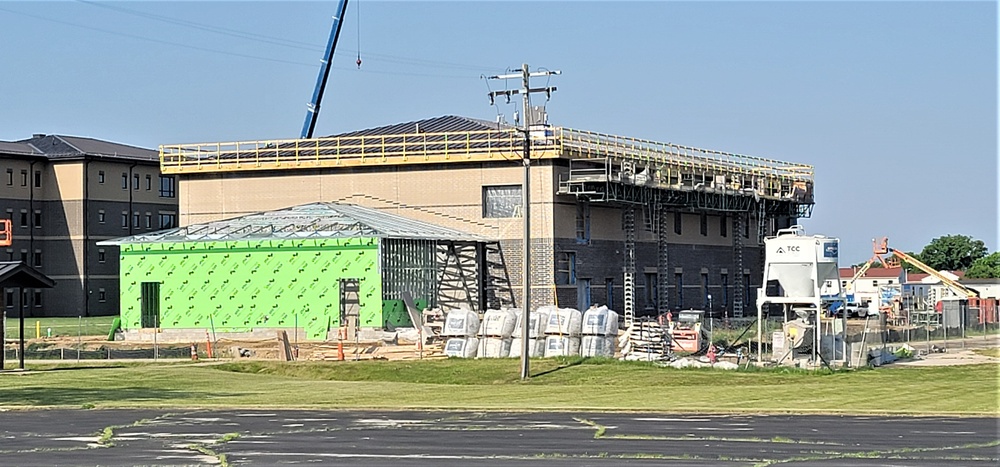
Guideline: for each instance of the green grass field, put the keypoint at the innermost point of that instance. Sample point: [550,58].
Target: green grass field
[90,326]
[575,384]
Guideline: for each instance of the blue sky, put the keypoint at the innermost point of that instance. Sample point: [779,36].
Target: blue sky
[894,103]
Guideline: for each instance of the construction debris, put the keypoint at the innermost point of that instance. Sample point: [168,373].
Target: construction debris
[645,341]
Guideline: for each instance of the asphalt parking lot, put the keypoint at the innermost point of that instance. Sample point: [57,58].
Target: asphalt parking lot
[409,438]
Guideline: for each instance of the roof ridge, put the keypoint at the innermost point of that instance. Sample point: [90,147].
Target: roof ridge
[61,138]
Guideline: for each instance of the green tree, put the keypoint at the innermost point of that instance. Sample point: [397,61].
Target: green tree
[952,252]
[985,267]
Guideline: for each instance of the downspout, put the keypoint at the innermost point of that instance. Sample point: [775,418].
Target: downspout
[86,236]
[131,219]
[31,230]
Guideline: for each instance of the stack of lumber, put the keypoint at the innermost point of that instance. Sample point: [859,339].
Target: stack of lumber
[645,341]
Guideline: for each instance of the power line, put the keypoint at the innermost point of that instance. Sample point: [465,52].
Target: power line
[158,41]
[209,28]
[281,41]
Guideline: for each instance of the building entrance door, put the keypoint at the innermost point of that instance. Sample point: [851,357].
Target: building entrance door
[149,301]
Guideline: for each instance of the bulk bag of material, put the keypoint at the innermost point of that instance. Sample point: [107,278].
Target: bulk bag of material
[600,321]
[462,347]
[536,323]
[562,346]
[597,346]
[564,321]
[536,347]
[461,323]
[494,347]
[498,323]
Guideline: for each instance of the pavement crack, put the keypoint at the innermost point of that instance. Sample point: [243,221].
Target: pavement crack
[879,454]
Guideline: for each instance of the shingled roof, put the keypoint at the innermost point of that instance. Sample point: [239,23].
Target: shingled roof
[69,147]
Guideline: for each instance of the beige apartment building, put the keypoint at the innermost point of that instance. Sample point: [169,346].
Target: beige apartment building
[644,227]
[65,193]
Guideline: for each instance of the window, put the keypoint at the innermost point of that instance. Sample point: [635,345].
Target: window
[168,188]
[38,179]
[679,285]
[38,258]
[100,177]
[10,177]
[101,256]
[651,292]
[24,178]
[705,296]
[723,224]
[149,221]
[583,223]
[9,298]
[874,283]
[725,290]
[24,218]
[102,296]
[135,220]
[168,220]
[566,268]
[100,216]
[746,289]
[38,218]
[677,222]
[843,284]
[24,298]
[746,228]
[38,298]
[124,219]
[10,254]
[135,182]
[501,201]
[609,293]
[149,182]
[24,256]
[124,180]
[704,224]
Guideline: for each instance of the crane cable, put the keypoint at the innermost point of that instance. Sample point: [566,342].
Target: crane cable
[358,16]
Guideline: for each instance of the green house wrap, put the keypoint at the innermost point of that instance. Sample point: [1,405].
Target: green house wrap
[307,267]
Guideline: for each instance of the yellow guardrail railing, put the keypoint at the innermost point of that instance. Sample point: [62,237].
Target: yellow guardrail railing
[466,146]
[408,148]
[597,145]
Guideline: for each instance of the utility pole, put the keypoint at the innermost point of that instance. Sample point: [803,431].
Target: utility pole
[525,92]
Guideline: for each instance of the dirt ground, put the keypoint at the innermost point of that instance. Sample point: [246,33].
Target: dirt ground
[957,352]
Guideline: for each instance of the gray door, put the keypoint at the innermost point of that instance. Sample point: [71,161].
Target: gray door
[350,305]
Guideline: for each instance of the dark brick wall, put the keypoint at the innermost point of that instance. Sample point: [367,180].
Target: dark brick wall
[603,260]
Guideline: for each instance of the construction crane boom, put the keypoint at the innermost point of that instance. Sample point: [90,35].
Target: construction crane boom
[959,289]
[312,111]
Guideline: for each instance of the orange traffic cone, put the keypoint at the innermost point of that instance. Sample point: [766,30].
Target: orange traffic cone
[340,345]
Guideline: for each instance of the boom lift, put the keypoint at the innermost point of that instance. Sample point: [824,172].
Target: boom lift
[312,113]
[959,289]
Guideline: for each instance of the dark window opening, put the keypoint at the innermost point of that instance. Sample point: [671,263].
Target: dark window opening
[168,187]
[677,222]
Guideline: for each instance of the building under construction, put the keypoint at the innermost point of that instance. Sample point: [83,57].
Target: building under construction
[641,226]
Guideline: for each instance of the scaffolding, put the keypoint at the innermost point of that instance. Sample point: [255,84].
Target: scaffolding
[602,169]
